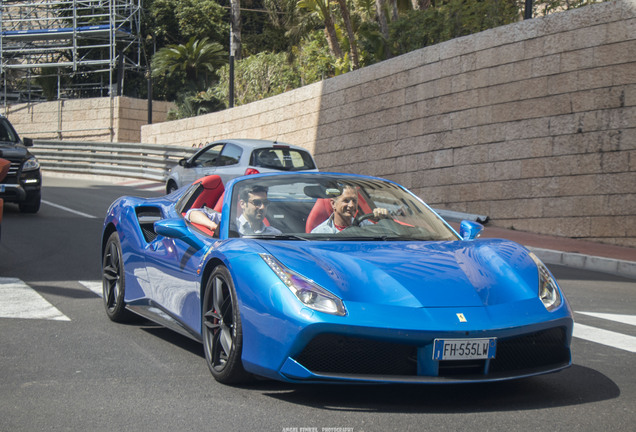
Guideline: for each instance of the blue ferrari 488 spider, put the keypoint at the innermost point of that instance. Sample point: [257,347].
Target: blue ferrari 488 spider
[325,277]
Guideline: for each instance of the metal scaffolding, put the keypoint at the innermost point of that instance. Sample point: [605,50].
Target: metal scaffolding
[99,39]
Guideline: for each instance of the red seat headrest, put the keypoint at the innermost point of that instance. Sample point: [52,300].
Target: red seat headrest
[318,214]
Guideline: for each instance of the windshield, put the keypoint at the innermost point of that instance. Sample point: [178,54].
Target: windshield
[331,207]
[7,134]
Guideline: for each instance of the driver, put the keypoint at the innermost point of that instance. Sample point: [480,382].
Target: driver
[345,208]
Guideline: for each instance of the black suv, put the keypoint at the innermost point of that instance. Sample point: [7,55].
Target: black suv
[23,181]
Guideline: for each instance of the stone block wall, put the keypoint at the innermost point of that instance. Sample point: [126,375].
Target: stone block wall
[533,124]
[95,119]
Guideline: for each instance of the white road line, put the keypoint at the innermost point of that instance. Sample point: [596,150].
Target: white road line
[21,301]
[94,286]
[605,337]
[625,319]
[145,185]
[79,213]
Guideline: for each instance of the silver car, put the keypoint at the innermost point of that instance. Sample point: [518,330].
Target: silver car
[236,157]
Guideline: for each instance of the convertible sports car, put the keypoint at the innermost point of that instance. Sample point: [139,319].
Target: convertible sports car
[401,299]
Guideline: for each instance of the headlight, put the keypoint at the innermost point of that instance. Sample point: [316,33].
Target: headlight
[31,164]
[306,290]
[548,291]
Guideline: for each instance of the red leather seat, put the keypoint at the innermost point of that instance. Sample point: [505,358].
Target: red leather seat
[209,197]
[212,190]
[319,213]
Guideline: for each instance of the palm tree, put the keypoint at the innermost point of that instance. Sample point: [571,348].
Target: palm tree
[198,60]
[353,45]
[321,8]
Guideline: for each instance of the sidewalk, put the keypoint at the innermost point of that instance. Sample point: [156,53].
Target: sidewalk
[568,252]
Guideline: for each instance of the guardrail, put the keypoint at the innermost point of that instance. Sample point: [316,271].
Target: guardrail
[138,160]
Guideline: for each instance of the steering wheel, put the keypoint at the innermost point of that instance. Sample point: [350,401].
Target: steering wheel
[358,220]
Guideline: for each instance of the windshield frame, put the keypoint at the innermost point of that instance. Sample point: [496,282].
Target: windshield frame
[299,201]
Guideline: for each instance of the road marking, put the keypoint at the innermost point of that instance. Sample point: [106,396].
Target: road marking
[625,319]
[605,337]
[21,301]
[94,286]
[79,213]
[145,185]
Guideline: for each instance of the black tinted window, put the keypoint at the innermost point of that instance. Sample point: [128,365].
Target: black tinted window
[282,158]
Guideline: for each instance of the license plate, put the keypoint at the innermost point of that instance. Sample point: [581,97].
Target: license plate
[464,349]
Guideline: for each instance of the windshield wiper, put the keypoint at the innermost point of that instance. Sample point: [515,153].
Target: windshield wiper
[277,237]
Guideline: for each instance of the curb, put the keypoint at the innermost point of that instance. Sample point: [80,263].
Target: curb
[618,267]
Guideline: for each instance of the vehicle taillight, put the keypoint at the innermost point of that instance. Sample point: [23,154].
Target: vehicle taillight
[251,171]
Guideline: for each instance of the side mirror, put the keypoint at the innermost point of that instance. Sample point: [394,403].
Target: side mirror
[470,230]
[28,142]
[183,162]
[177,229]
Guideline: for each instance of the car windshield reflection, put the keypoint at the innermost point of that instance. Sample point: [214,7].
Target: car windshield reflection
[331,207]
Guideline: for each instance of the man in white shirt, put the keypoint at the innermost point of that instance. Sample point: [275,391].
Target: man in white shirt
[254,203]
[345,208]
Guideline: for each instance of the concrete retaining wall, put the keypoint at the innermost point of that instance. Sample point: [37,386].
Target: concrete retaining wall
[95,119]
[533,124]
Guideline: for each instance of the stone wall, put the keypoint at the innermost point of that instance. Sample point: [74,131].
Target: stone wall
[533,124]
[96,119]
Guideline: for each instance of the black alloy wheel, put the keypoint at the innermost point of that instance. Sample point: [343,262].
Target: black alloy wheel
[113,286]
[221,329]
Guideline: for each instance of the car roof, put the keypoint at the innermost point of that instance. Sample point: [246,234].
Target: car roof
[255,143]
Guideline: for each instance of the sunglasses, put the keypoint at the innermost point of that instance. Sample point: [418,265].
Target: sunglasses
[258,203]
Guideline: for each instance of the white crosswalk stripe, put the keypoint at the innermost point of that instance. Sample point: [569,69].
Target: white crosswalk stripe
[625,319]
[19,300]
[605,337]
[94,286]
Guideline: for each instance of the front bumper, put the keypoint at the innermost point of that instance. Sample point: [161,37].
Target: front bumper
[12,192]
[333,358]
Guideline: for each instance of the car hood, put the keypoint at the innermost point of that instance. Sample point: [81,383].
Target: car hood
[12,150]
[416,274]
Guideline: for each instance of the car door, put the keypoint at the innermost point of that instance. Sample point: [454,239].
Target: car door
[202,163]
[172,269]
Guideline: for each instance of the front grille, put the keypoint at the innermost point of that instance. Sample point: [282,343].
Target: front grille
[337,354]
[331,353]
[14,168]
[12,174]
[535,350]
[450,368]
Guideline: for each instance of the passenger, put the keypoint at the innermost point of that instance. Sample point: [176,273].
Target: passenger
[345,208]
[204,216]
[254,203]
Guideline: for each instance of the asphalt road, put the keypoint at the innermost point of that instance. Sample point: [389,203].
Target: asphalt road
[65,367]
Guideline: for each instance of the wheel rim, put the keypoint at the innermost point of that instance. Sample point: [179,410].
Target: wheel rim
[219,324]
[110,276]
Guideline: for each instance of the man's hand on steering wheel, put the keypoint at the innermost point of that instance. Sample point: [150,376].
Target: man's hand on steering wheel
[378,213]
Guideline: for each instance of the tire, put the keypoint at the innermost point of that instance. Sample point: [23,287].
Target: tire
[31,204]
[221,329]
[113,281]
